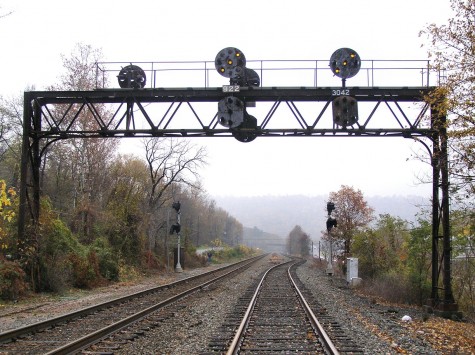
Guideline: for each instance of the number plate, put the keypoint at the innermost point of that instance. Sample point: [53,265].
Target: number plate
[340,92]
[231,88]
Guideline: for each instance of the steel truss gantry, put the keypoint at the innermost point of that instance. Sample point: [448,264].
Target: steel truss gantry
[50,116]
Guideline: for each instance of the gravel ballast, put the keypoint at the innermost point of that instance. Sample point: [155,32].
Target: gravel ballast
[377,328]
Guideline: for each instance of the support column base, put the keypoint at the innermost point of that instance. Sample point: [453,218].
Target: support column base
[444,310]
[449,311]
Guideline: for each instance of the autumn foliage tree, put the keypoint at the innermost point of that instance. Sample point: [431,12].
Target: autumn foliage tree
[7,215]
[352,214]
[451,47]
[12,276]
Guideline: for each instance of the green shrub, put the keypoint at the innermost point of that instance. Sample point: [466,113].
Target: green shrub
[55,250]
[58,239]
[64,262]
[108,259]
[420,287]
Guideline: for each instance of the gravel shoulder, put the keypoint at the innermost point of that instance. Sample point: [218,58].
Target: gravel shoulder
[379,325]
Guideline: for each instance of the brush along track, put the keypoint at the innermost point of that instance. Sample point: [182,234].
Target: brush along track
[86,326]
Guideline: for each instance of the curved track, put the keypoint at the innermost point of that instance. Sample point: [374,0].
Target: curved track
[279,320]
[278,314]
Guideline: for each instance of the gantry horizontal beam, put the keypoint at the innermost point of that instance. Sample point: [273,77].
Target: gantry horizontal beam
[131,112]
[403,94]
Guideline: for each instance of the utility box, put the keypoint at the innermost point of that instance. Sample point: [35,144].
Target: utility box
[351,269]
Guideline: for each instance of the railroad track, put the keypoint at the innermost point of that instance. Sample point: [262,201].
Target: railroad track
[130,315]
[274,316]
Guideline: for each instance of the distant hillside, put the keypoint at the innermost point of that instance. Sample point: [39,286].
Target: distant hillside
[279,214]
[256,238]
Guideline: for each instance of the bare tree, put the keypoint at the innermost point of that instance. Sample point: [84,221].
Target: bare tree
[171,163]
[11,131]
[75,170]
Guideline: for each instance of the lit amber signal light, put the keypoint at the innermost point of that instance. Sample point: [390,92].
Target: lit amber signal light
[345,63]
[230,62]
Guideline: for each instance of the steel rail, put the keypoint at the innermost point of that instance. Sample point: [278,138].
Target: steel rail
[318,328]
[234,346]
[239,335]
[32,328]
[100,334]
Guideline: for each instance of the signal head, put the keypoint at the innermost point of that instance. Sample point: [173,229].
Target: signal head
[132,77]
[345,63]
[176,206]
[230,62]
[345,111]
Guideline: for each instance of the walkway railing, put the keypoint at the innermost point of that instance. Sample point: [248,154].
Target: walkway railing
[278,73]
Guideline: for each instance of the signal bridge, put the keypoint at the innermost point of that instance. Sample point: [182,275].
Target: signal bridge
[248,100]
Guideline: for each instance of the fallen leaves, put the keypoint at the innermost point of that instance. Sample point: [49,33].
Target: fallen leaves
[445,335]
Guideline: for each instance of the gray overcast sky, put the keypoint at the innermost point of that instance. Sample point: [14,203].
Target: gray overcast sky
[37,32]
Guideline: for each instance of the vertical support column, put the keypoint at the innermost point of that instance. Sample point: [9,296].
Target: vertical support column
[129,114]
[178,267]
[331,222]
[177,228]
[441,216]
[29,170]
[435,211]
[448,303]
[25,153]
[36,162]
